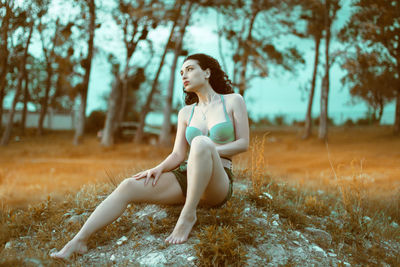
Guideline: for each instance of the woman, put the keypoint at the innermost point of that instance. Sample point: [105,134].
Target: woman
[214,124]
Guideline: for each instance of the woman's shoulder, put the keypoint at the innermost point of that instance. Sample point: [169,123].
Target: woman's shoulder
[185,111]
[234,98]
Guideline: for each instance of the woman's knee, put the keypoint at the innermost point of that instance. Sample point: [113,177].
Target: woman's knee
[201,144]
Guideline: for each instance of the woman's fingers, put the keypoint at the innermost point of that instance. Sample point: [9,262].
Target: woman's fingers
[156,177]
[149,174]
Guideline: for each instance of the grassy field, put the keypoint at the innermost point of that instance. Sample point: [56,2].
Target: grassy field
[349,187]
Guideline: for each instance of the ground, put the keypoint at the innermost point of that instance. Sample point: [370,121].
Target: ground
[296,202]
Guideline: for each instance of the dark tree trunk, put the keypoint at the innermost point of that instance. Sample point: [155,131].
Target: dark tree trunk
[45,100]
[165,136]
[308,120]
[396,128]
[25,109]
[245,59]
[7,132]
[146,107]
[80,128]
[323,123]
[107,138]
[4,59]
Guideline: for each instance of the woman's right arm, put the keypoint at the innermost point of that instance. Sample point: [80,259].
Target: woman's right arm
[177,155]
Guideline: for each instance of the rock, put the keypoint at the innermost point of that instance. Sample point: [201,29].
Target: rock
[319,235]
[191,258]
[333,255]
[266,195]
[122,240]
[318,251]
[153,259]
[275,223]
[394,225]
[112,258]
[8,245]
[366,219]
[31,261]
[74,219]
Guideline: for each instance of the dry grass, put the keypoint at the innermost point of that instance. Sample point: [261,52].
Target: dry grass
[347,206]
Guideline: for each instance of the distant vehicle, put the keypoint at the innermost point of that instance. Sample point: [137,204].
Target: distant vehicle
[126,131]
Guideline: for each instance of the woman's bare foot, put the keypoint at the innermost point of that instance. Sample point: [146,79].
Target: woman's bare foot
[182,228]
[73,246]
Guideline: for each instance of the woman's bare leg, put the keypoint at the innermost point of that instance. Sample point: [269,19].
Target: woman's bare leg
[207,180]
[167,191]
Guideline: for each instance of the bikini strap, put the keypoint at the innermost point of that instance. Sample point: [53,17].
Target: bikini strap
[191,115]
[226,113]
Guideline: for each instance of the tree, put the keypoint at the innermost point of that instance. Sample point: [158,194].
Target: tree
[250,28]
[331,8]
[26,22]
[371,80]
[6,8]
[176,12]
[90,10]
[312,12]
[136,20]
[49,55]
[165,136]
[376,24]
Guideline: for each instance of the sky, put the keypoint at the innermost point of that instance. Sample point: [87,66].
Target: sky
[277,94]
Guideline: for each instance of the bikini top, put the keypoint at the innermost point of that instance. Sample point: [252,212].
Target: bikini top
[220,133]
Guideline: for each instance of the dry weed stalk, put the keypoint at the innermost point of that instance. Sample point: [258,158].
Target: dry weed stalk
[258,167]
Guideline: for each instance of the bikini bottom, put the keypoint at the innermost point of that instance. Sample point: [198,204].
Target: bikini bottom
[181,175]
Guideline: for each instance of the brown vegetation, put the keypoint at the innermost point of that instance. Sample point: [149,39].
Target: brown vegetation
[283,199]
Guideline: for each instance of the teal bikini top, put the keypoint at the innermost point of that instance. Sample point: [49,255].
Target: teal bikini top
[220,133]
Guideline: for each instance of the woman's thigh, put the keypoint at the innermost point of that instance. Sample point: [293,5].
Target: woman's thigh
[166,191]
[218,186]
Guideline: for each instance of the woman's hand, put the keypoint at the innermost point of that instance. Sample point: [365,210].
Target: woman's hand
[147,174]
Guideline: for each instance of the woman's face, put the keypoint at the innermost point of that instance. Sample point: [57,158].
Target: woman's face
[193,76]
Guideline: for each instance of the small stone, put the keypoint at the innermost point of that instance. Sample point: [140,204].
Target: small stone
[267,195]
[366,219]
[275,217]
[319,235]
[102,254]
[275,223]
[318,251]
[191,258]
[8,245]
[346,264]
[112,258]
[394,225]
[122,240]
[333,255]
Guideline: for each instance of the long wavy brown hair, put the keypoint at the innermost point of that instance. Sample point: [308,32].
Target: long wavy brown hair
[218,80]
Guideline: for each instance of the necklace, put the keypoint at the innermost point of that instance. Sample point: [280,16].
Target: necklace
[203,113]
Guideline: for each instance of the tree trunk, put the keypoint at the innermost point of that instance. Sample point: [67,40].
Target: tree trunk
[24,111]
[146,107]
[44,104]
[396,128]
[80,128]
[308,120]
[4,59]
[165,136]
[107,138]
[7,133]
[323,122]
[246,52]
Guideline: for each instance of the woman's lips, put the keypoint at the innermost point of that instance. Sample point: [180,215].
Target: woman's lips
[186,83]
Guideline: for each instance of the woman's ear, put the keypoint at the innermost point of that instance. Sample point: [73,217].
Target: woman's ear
[208,73]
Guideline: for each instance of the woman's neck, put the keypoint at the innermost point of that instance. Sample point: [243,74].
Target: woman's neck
[206,95]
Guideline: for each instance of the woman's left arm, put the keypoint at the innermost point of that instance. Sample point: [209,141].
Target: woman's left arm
[241,126]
